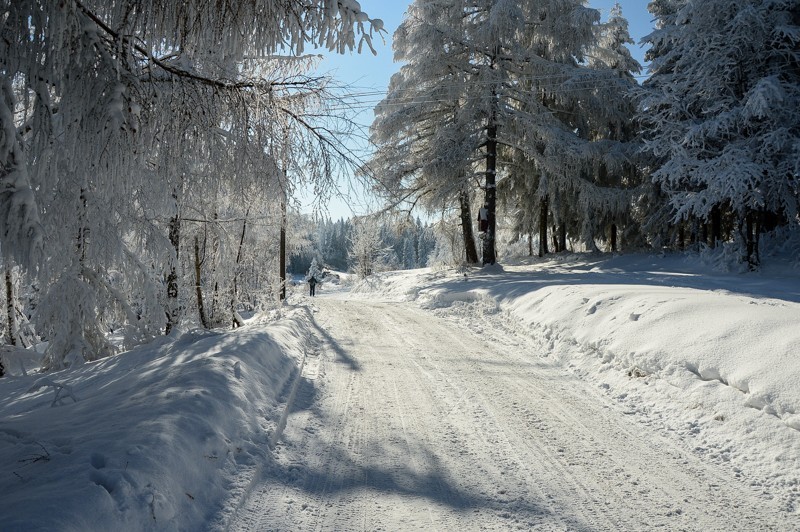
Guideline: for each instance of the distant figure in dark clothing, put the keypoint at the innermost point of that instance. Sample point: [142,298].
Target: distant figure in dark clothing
[312,285]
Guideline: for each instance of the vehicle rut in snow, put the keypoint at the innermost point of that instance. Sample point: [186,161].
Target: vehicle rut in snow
[406,421]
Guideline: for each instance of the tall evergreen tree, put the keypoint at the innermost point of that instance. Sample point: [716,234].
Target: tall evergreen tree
[721,114]
[426,135]
[513,95]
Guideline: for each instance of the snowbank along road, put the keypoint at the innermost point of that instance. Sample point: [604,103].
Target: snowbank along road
[406,421]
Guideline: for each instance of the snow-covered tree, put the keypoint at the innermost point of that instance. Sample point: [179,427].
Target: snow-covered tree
[426,133]
[505,89]
[367,248]
[108,111]
[314,271]
[722,117]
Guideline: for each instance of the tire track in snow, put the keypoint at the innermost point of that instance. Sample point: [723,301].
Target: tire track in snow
[418,423]
[505,443]
[650,468]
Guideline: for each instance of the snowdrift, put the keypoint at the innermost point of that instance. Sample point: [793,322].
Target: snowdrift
[159,438]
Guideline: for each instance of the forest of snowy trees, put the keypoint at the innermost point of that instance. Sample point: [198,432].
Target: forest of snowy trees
[398,244]
[531,110]
[151,152]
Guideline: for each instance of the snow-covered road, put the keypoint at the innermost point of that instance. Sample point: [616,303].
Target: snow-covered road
[404,420]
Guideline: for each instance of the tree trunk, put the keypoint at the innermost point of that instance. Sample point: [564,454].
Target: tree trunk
[10,322]
[466,229]
[201,309]
[562,236]
[716,225]
[543,209]
[751,240]
[237,321]
[213,258]
[613,238]
[12,329]
[489,251]
[173,311]
[282,251]
[556,246]
[83,231]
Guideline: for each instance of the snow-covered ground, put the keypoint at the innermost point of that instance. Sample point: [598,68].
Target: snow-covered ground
[159,438]
[713,358]
[574,393]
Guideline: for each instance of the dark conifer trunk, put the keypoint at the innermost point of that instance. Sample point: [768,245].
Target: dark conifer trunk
[556,246]
[543,210]
[282,251]
[751,230]
[466,229]
[716,226]
[613,231]
[489,251]
[173,310]
[237,322]
[10,317]
[83,231]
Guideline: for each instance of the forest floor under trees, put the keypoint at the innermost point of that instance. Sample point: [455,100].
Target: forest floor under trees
[574,393]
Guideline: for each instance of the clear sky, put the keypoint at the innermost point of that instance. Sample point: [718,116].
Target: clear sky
[367,76]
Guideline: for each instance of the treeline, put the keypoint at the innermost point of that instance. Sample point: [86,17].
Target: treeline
[400,245]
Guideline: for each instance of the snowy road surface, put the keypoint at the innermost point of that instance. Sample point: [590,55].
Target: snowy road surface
[405,421]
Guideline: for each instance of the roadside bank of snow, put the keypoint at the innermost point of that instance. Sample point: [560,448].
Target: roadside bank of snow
[163,437]
[712,358]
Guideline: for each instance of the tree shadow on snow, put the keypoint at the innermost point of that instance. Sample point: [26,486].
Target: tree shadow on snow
[603,271]
[330,343]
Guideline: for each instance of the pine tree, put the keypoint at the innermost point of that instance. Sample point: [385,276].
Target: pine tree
[721,115]
[506,94]
[367,248]
[427,139]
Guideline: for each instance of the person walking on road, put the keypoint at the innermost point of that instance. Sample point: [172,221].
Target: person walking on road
[312,285]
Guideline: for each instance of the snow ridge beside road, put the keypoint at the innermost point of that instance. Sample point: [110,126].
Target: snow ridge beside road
[169,436]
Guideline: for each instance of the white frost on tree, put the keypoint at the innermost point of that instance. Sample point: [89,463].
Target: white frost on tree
[721,114]
[367,249]
[494,93]
[111,115]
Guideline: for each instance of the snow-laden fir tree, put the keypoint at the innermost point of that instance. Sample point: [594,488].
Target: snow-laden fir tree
[427,137]
[367,249]
[504,92]
[722,117]
[571,116]
[314,271]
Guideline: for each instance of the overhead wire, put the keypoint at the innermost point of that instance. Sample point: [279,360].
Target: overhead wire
[367,100]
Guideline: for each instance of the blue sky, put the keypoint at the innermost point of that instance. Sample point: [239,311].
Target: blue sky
[368,76]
